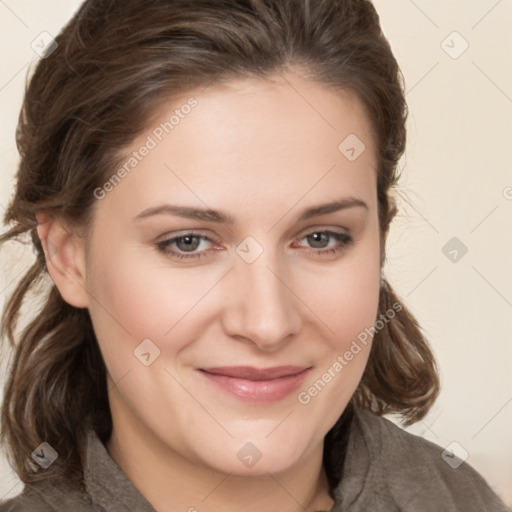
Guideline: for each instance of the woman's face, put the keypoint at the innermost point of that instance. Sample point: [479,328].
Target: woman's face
[225,289]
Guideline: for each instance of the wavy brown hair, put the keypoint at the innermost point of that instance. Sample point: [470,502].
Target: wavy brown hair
[115,63]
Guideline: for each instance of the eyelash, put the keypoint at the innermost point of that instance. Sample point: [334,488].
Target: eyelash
[344,241]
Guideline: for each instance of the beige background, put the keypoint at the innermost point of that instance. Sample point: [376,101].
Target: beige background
[457,182]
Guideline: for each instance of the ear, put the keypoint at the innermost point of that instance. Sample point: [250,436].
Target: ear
[65,258]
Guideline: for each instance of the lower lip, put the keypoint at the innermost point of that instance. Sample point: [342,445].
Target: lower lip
[261,391]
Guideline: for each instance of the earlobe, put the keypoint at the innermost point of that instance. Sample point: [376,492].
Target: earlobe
[65,258]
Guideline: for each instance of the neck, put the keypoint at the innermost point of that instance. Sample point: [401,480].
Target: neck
[170,482]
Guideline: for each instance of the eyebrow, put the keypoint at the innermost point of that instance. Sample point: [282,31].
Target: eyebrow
[220,217]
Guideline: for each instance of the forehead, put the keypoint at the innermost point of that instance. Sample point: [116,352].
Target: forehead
[253,138]
[286,108]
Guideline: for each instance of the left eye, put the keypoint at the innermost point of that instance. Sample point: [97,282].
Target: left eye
[318,238]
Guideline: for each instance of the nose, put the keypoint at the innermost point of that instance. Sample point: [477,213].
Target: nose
[261,307]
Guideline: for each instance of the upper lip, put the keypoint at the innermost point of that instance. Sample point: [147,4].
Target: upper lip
[251,373]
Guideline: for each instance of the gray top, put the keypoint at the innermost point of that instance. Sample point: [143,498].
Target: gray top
[385,469]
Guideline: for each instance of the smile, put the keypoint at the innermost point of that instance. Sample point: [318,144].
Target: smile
[250,384]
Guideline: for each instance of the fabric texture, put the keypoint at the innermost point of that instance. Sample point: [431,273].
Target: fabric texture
[372,465]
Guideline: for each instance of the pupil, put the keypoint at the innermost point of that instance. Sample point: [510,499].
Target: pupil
[317,238]
[189,242]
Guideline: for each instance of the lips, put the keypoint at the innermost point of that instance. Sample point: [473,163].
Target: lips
[262,385]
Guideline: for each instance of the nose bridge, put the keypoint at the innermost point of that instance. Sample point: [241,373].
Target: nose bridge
[264,308]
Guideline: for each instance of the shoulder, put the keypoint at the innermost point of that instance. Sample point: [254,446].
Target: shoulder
[47,497]
[419,474]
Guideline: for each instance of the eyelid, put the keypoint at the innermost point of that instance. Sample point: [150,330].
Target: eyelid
[183,232]
[319,228]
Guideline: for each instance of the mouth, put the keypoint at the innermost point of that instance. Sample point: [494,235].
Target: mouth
[259,385]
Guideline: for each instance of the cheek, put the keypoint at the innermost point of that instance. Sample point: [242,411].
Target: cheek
[357,303]
[349,338]
[346,299]
[348,306]
[137,299]
[131,303]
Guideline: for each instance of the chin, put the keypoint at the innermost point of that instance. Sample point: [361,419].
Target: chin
[257,453]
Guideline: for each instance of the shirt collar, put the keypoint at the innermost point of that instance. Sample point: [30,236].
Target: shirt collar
[107,484]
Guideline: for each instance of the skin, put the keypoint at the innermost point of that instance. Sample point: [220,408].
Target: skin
[261,153]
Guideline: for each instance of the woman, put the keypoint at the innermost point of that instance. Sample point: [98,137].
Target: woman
[208,186]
